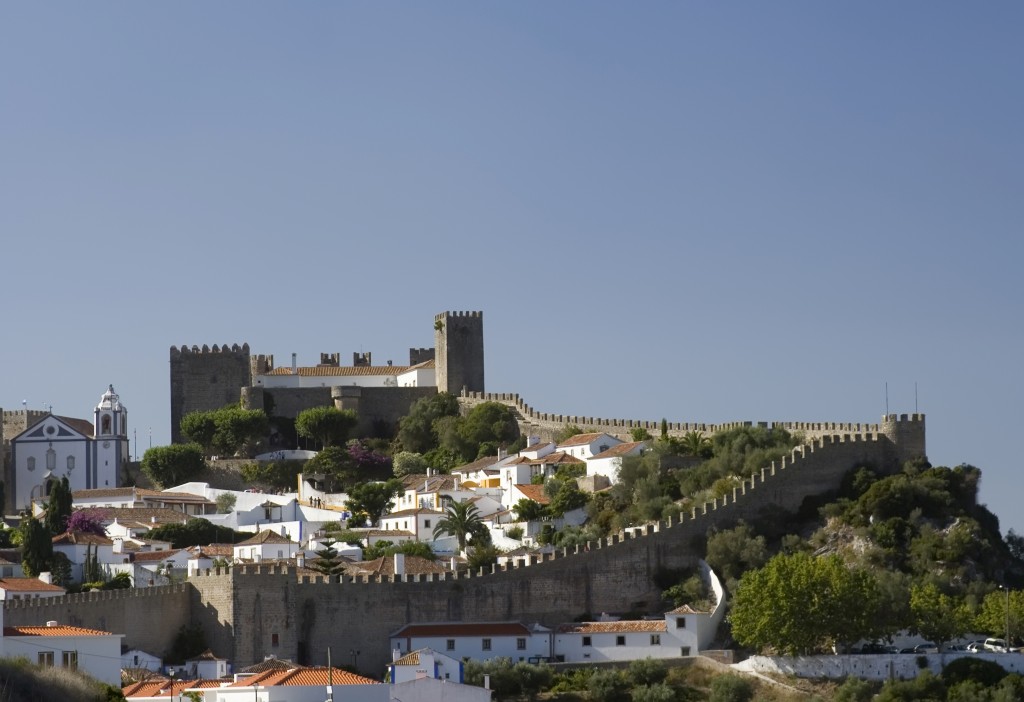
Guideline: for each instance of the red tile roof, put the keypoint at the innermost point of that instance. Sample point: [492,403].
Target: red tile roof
[534,492]
[316,371]
[306,677]
[623,627]
[59,630]
[153,556]
[81,538]
[266,537]
[556,458]
[618,450]
[28,585]
[462,629]
[582,439]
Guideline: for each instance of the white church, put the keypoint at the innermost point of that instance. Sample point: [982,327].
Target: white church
[53,448]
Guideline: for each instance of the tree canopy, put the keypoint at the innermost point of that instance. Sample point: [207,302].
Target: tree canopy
[462,520]
[196,532]
[328,426]
[226,430]
[174,464]
[58,507]
[368,501]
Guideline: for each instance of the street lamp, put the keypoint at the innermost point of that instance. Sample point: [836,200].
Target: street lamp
[1007,591]
[255,692]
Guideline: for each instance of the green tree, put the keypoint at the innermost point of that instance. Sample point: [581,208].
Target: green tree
[36,547]
[189,642]
[416,431]
[327,560]
[731,688]
[408,463]
[371,500]
[173,465]
[798,603]
[640,434]
[226,503]
[199,427]
[276,474]
[608,685]
[528,510]
[196,532]
[328,426]
[408,548]
[733,552]
[58,508]
[694,443]
[937,616]
[461,520]
[991,618]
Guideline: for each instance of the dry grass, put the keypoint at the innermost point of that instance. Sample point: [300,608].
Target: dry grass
[21,680]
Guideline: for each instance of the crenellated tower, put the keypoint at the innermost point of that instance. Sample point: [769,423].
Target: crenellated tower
[459,351]
[207,379]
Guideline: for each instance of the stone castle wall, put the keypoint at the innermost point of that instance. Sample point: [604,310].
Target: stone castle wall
[206,379]
[148,617]
[242,608]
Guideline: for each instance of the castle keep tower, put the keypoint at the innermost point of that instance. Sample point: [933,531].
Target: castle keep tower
[459,351]
[206,379]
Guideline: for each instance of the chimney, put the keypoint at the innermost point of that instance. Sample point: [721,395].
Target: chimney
[52,623]
[501,453]
[487,682]
[396,653]
[399,564]
[300,560]
[48,579]
[118,546]
[295,367]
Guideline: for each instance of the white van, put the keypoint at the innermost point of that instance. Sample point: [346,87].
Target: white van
[995,645]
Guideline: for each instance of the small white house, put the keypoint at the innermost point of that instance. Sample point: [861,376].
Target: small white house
[266,545]
[29,588]
[78,546]
[587,445]
[206,666]
[425,663]
[607,463]
[420,522]
[97,653]
[479,641]
[139,659]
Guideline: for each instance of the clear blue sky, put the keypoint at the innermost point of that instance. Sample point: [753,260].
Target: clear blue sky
[698,211]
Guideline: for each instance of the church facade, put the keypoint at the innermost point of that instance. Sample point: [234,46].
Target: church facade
[55,447]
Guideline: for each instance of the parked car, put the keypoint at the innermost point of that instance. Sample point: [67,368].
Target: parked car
[975,646]
[926,647]
[995,645]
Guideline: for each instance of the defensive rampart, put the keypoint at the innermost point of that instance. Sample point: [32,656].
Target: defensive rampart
[252,611]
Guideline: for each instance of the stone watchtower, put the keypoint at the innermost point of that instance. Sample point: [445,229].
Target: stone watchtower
[459,351]
[206,379]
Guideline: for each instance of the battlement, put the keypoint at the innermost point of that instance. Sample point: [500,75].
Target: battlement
[445,315]
[420,355]
[194,349]
[362,359]
[261,364]
[94,596]
[330,359]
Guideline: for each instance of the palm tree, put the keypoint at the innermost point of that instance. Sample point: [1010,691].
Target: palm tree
[695,443]
[462,520]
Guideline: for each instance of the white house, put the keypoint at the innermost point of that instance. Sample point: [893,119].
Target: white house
[139,659]
[97,653]
[28,588]
[587,445]
[433,690]
[681,632]
[296,685]
[266,545]
[476,640]
[55,447]
[206,666]
[419,522]
[425,663]
[418,376]
[608,462]
[79,545]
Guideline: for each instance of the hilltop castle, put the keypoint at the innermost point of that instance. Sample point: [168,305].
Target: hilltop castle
[206,379]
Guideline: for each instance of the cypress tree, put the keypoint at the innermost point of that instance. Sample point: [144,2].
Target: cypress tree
[36,547]
[58,509]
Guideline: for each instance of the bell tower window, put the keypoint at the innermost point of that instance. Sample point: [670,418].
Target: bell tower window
[105,424]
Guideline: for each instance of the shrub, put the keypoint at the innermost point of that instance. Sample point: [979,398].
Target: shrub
[730,688]
[608,686]
[855,690]
[647,671]
[988,673]
[659,692]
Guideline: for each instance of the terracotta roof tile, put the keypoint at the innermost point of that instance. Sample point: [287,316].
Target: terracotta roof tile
[81,538]
[59,630]
[535,493]
[462,629]
[581,439]
[622,627]
[154,556]
[618,450]
[320,371]
[411,512]
[266,537]
[409,659]
[556,458]
[306,677]
[28,585]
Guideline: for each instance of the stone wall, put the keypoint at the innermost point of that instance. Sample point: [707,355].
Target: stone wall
[206,379]
[459,351]
[148,617]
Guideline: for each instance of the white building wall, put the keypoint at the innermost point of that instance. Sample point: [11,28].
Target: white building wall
[472,647]
[603,646]
[419,378]
[430,690]
[297,693]
[99,656]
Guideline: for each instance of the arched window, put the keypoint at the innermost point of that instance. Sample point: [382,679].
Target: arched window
[105,424]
